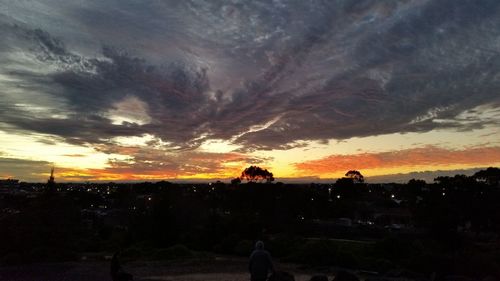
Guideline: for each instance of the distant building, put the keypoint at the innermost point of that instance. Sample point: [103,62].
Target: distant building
[393,217]
[9,183]
[51,183]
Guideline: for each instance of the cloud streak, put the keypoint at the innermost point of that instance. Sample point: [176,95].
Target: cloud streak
[144,164]
[417,158]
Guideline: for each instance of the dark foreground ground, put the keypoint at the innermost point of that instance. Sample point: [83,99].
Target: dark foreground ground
[220,269]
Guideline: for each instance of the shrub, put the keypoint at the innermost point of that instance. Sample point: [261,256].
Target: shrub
[243,248]
[283,245]
[316,252]
[174,252]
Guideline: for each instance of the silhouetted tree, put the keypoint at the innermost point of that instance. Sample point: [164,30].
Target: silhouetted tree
[235,181]
[420,183]
[356,176]
[491,176]
[415,187]
[461,182]
[255,173]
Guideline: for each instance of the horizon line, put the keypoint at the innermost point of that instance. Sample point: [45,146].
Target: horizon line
[428,176]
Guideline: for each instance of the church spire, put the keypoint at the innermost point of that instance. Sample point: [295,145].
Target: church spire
[51,183]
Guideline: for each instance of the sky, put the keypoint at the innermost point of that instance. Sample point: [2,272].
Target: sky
[148,90]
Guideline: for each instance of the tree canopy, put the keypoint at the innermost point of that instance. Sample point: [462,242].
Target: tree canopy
[255,173]
[235,181]
[491,176]
[356,176]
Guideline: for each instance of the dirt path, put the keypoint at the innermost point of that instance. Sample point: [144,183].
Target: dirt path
[220,269]
[242,276]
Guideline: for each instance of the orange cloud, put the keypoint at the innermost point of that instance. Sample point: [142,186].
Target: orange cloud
[428,156]
[157,166]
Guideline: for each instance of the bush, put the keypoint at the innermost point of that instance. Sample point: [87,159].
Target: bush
[316,252]
[132,253]
[327,252]
[173,253]
[228,244]
[378,265]
[283,245]
[14,258]
[346,259]
[243,248]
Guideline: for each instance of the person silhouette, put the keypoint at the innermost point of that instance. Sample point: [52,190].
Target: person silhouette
[117,272]
[260,263]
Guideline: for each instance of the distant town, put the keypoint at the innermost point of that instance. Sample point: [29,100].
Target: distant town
[379,226]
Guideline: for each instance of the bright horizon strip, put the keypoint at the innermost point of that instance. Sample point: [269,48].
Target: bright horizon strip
[462,151]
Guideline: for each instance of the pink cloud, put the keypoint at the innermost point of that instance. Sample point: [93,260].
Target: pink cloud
[423,156]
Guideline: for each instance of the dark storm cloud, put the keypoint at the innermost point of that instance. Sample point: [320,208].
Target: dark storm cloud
[28,170]
[266,74]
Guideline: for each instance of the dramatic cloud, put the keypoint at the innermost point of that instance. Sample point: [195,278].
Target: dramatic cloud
[416,158]
[30,170]
[259,75]
[144,164]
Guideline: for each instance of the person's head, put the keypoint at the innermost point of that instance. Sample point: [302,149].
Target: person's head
[259,245]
